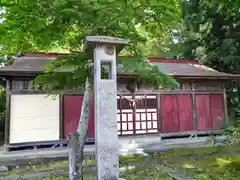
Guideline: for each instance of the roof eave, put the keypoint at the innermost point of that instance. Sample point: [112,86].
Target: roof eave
[121,75]
[230,77]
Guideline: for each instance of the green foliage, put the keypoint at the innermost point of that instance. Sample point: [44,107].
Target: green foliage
[4,60]
[148,74]
[234,134]
[70,72]
[66,73]
[211,34]
[232,131]
[32,25]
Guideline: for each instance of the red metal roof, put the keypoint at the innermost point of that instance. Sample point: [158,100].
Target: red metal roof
[35,62]
[151,59]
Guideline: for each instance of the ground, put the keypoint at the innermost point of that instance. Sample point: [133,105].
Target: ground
[204,164]
[215,163]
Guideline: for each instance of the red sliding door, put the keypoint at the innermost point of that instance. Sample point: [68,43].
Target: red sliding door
[169,114]
[72,108]
[185,112]
[209,111]
[176,113]
[203,112]
[217,111]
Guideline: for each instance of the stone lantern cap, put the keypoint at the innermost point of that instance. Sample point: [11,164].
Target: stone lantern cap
[91,42]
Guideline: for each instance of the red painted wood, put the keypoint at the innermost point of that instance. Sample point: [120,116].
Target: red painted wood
[169,114]
[151,59]
[91,121]
[203,112]
[182,61]
[72,109]
[185,112]
[217,111]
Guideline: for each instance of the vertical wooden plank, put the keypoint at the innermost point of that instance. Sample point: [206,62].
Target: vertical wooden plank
[194,111]
[134,115]
[203,112]
[119,107]
[61,119]
[225,106]
[7,116]
[185,111]
[217,111]
[159,119]
[91,121]
[169,113]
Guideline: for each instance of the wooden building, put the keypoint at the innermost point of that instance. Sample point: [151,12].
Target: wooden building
[198,106]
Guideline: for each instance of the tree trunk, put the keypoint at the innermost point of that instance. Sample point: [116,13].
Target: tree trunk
[73,149]
[77,140]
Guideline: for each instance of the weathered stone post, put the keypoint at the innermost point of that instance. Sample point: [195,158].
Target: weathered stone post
[104,50]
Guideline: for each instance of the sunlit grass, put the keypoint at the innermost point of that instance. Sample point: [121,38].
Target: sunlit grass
[188,166]
[126,168]
[210,168]
[221,162]
[189,152]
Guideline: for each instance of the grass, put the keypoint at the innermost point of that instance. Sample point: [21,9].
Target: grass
[212,168]
[214,163]
[140,172]
[144,172]
[194,151]
[63,178]
[220,165]
[64,165]
[38,168]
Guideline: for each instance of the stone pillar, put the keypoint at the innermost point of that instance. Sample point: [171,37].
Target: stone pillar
[104,51]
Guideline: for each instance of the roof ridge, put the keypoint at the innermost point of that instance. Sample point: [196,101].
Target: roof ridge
[151,59]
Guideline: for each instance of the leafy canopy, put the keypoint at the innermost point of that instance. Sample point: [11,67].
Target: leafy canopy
[61,25]
[212,30]
[70,72]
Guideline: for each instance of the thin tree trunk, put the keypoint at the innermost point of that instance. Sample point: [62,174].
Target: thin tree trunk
[73,149]
[77,140]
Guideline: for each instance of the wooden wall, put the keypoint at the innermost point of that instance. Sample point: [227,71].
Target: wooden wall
[191,112]
[194,106]
[156,113]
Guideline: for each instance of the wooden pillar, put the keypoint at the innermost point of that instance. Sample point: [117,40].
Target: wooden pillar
[225,106]
[7,115]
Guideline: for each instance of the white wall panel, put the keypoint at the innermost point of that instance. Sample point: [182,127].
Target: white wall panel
[34,118]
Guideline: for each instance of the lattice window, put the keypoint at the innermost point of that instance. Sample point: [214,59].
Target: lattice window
[141,119]
[207,87]
[186,86]
[146,116]
[125,116]
[20,85]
